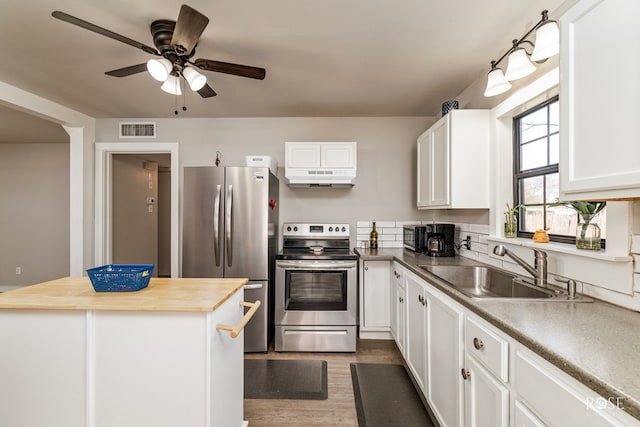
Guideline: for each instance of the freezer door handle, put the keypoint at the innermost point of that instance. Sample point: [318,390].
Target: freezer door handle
[229,224]
[216,224]
[254,286]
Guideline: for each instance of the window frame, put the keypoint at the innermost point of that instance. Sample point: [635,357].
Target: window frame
[540,171]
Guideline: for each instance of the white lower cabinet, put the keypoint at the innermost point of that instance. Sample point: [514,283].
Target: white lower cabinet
[486,398]
[473,374]
[375,319]
[398,306]
[444,357]
[416,354]
[523,417]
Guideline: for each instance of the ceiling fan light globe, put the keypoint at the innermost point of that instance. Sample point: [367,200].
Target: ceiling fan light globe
[519,65]
[547,41]
[195,79]
[159,68]
[171,85]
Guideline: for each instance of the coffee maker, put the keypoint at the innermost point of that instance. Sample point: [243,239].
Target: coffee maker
[439,240]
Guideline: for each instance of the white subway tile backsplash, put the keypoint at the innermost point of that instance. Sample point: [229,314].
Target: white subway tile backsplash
[366,224]
[382,224]
[479,228]
[391,230]
[636,263]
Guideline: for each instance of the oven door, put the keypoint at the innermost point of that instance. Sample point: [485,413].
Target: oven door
[316,292]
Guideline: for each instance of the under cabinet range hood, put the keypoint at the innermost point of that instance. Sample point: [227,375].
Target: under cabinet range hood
[320,164]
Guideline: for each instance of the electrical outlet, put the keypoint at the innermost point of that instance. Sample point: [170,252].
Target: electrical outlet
[18,270]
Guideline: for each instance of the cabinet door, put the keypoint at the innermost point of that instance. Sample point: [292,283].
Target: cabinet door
[338,155]
[439,188]
[416,330]
[433,166]
[444,354]
[375,296]
[423,171]
[398,306]
[486,399]
[401,316]
[303,155]
[599,148]
[523,417]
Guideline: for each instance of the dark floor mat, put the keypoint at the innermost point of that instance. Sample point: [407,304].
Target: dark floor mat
[285,379]
[385,396]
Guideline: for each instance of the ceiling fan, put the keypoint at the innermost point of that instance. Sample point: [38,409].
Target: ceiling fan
[175,43]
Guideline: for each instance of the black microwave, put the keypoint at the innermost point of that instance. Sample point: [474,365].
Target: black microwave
[414,237]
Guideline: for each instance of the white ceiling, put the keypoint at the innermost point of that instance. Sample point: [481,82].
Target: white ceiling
[323,57]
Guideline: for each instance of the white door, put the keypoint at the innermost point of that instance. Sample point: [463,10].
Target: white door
[416,330]
[444,353]
[376,295]
[439,163]
[303,155]
[486,399]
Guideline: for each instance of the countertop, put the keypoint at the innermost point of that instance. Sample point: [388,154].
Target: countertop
[162,294]
[596,343]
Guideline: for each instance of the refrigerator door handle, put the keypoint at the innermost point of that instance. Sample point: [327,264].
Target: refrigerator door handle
[216,225]
[228,225]
[253,286]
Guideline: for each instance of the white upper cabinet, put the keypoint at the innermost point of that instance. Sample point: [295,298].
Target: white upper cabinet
[330,155]
[599,90]
[453,162]
[303,155]
[320,163]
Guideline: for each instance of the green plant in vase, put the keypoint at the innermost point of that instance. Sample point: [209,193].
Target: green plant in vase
[511,221]
[587,230]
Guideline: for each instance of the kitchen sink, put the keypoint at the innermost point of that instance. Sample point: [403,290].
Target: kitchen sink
[487,282]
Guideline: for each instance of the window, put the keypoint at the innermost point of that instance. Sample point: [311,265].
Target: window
[536,180]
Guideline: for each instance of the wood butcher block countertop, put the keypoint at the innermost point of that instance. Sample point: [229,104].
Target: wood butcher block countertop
[162,294]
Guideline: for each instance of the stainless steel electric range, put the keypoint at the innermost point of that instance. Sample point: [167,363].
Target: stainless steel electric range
[316,292]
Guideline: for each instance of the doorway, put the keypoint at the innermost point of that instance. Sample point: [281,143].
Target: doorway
[152,152]
[141,210]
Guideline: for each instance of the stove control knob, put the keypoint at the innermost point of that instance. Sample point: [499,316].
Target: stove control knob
[289,228]
[344,229]
[337,229]
[295,228]
[330,228]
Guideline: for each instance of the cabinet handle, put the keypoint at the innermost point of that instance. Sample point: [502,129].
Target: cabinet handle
[366,269]
[400,299]
[235,331]
[465,374]
[478,344]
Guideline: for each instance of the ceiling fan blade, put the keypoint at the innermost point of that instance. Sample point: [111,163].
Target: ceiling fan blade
[102,31]
[189,28]
[127,71]
[207,91]
[228,68]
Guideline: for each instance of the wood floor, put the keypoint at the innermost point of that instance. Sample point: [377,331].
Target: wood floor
[339,409]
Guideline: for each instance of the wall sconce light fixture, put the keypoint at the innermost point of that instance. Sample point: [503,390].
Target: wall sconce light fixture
[519,62]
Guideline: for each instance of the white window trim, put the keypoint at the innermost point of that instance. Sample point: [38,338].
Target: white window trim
[618,231]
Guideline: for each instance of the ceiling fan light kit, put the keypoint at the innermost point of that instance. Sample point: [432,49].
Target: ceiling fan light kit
[172,85]
[175,43]
[159,68]
[519,64]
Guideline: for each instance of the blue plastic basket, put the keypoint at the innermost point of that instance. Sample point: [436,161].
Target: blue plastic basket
[120,277]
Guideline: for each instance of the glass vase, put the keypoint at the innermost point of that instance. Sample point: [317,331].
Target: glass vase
[510,226]
[587,233]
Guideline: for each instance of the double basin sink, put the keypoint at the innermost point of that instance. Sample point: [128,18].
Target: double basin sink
[487,282]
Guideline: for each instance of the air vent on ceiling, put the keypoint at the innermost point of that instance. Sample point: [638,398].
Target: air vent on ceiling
[138,130]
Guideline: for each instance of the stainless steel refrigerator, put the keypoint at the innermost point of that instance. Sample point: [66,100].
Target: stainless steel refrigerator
[230,229]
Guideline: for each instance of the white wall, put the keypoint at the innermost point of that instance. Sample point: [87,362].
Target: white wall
[385,185]
[34,218]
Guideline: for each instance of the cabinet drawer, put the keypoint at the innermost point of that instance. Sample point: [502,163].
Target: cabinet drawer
[555,400]
[487,347]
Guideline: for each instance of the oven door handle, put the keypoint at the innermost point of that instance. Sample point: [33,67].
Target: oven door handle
[327,266]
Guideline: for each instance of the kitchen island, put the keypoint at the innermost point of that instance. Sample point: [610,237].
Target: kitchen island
[70,356]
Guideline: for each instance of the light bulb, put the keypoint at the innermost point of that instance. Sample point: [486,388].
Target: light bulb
[171,85]
[195,79]
[159,68]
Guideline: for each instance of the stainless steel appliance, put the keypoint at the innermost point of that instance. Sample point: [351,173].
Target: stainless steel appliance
[415,237]
[440,240]
[316,302]
[230,222]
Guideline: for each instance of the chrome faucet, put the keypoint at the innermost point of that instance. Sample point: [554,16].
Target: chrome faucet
[539,272]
